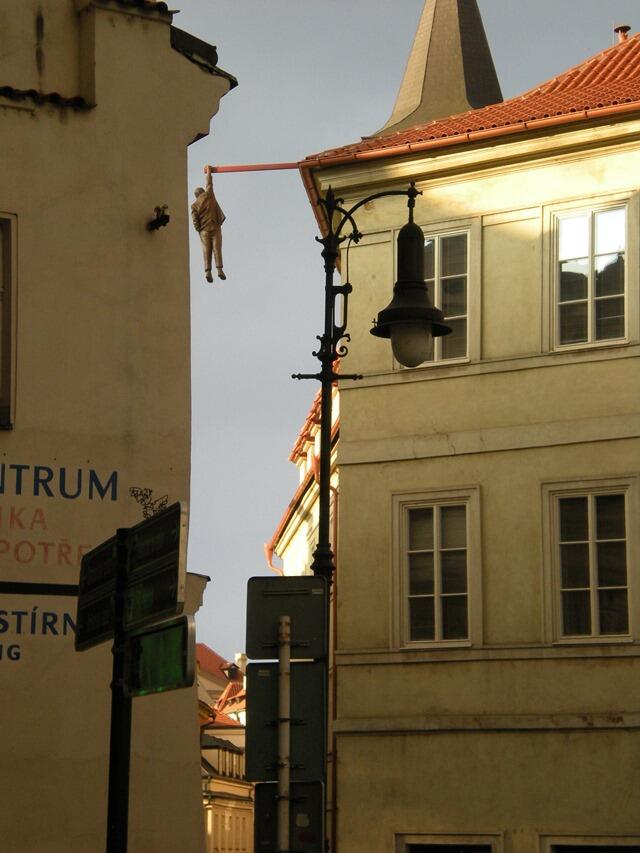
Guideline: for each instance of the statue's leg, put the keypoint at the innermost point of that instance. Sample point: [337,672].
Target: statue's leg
[217,251]
[207,249]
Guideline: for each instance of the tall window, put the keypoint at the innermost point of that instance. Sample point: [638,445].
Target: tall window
[436,571]
[592,556]
[591,276]
[447,273]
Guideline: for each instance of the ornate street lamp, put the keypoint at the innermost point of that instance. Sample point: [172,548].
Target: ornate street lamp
[410,321]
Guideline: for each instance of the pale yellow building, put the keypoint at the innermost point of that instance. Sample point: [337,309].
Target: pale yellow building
[227,796]
[488,684]
[98,102]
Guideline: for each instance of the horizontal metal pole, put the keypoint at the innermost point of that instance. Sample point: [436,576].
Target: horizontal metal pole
[252,167]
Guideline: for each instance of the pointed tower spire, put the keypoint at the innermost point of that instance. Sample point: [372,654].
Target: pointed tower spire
[450,69]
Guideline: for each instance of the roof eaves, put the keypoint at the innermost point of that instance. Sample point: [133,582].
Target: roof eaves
[200,52]
[158,7]
[471,136]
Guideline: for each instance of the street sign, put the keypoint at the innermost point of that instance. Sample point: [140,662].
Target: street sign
[308,721]
[160,658]
[304,599]
[306,818]
[96,595]
[157,567]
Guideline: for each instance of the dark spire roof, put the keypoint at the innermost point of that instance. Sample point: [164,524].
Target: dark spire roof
[450,69]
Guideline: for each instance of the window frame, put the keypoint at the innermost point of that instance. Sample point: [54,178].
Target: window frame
[8,277]
[438,278]
[403,841]
[551,495]
[576,207]
[402,502]
[472,227]
[548,843]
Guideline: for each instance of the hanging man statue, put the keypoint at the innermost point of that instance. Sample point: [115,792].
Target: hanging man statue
[208,218]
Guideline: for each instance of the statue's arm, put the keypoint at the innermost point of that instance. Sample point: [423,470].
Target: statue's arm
[196,219]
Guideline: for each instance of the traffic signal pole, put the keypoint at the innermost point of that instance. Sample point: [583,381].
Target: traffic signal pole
[120,744]
[284,733]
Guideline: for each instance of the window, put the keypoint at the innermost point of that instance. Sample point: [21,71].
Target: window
[590,844]
[6,278]
[467,843]
[595,848]
[591,292]
[593,564]
[591,557]
[446,270]
[448,848]
[437,572]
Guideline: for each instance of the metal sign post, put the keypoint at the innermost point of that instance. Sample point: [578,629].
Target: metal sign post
[127,584]
[120,745]
[284,731]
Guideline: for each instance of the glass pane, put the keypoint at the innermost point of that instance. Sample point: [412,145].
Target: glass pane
[574,520]
[574,562]
[574,280]
[431,292]
[574,237]
[454,571]
[454,296]
[453,526]
[609,275]
[454,345]
[612,564]
[573,323]
[614,615]
[611,231]
[610,517]
[454,255]
[421,529]
[429,258]
[421,625]
[576,615]
[421,574]
[454,617]
[609,318]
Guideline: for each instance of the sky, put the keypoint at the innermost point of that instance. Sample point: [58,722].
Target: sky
[311,76]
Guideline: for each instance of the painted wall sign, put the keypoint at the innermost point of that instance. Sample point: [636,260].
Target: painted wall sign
[69,483]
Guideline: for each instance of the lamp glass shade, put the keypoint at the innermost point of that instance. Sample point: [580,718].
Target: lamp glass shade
[412,344]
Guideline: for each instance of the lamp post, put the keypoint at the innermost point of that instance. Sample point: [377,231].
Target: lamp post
[410,321]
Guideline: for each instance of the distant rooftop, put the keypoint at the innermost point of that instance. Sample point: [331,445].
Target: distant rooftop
[607,84]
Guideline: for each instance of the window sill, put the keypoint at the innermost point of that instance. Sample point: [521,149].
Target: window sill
[611,342]
[435,645]
[618,639]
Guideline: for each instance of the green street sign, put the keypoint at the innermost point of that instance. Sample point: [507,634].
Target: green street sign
[160,658]
[96,596]
[156,575]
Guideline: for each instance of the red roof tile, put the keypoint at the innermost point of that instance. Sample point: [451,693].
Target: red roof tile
[210,661]
[233,689]
[608,81]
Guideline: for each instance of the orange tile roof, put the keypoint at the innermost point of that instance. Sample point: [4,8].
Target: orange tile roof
[606,84]
[233,689]
[210,661]
[221,720]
